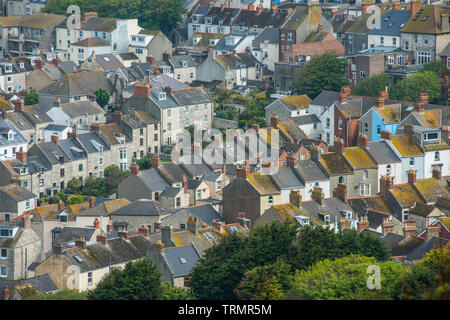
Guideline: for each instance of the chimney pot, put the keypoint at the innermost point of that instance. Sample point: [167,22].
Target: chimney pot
[412,176]
[134,169]
[81,243]
[96,224]
[155,161]
[295,197]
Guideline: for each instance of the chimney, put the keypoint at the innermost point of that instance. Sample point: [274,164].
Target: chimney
[415,6]
[61,205]
[92,201]
[423,97]
[123,234]
[318,195]
[437,172]
[274,120]
[73,134]
[58,248]
[5,293]
[81,243]
[385,184]
[96,224]
[150,59]
[363,223]
[387,225]
[144,230]
[409,228]
[5,115]
[192,225]
[419,107]
[185,184]
[224,170]
[339,145]
[444,26]
[166,56]
[386,135]
[243,221]
[379,102]
[54,138]
[366,4]
[218,225]
[57,102]
[255,127]
[343,98]
[412,176]
[383,94]
[117,116]
[95,127]
[432,231]
[38,64]
[18,105]
[102,239]
[408,129]
[167,236]
[362,140]
[251,7]
[295,197]
[87,15]
[315,153]
[134,168]
[167,89]
[21,155]
[155,161]
[291,160]
[156,71]
[26,221]
[259,9]
[142,89]
[159,247]
[397,5]
[157,225]
[319,28]
[341,192]
[346,89]
[274,8]
[109,227]
[242,172]
[344,224]
[211,53]
[223,5]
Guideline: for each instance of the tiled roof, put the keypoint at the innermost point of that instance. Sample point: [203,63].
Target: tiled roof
[406,145]
[359,158]
[431,189]
[16,192]
[91,42]
[405,195]
[296,102]
[38,20]
[427,20]
[317,46]
[263,184]
[335,163]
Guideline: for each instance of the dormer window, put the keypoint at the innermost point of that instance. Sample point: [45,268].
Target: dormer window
[6,233]
[208,20]
[327,219]
[63,217]
[162,96]
[10,136]
[23,170]
[185,64]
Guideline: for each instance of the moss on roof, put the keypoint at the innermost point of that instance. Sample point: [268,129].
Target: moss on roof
[297,102]
[335,163]
[390,113]
[263,184]
[359,158]
[446,222]
[4,105]
[406,195]
[431,189]
[434,147]
[406,145]
[430,25]
[430,118]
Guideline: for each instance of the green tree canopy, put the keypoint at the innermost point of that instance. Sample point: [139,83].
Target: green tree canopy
[324,72]
[139,280]
[173,293]
[74,199]
[144,163]
[113,176]
[64,294]
[372,86]
[410,88]
[102,97]
[30,98]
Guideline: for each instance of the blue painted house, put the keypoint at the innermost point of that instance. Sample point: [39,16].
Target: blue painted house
[380,118]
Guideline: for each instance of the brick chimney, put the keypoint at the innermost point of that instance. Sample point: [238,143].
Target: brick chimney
[6,292]
[251,7]
[385,184]
[386,135]
[224,170]
[58,248]
[155,161]
[412,176]
[109,226]
[409,228]
[419,107]
[134,168]
[363,223]
[144,230]
[18,105]
[156,71]
[123,234]
[346,89]
[259,9]
[81,243]
[344,224]
[341,192]
[343,98]
[243,221]
[157,225]
[192,225]
[185,184]
[73,134]
[218,225]
[102,239]
[117,116]
[87,15]
[379,102]
[415,6]
[397,5]
[437,173]
[319,28]
[95,127]
[383,94]
[92,202]
[315,153]
[432,231]
[167,236]
[38,64]
[242,172]
[387,225]
[362,140]
[339,145]
[423,97]
[26,221]
[21,155]
[295,197]
[96,223]
[274,120]
[57,102]
[54,138]
[61,205]
[274,8]
[291,160]
[318,195]
[150,59]
[142,89]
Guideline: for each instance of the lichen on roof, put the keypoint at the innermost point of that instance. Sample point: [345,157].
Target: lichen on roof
[335,163]
[406,145]
[359,158]
[406,196]
[430,118]
[297,102]
[390,113]
[431,189]
[262,183]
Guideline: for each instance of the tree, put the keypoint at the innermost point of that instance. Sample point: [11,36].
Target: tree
[139,280]
[113,176]
[324,72]
[144,163]
[102,97]
[410,88]
[347,279]
[74,199]
[173,293]
[372,86]
[64,294]
[30,98]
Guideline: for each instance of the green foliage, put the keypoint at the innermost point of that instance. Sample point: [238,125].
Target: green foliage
[30,98]
[155,14]
[144,163]
[64,294]
[139,280]
[324,72]
[372,86]
[437,67]
[346,279]
[173,293]
[74,199]
[113,176]
[410,88]
[102,97]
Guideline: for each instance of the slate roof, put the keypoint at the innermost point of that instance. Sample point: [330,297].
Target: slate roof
[250,19]
[99,24]
[306,119]
[430,25]
[67,67]
[188,254]
[90,141]
[325,98]
[170,192]
[153,180]
[16,192]
[55,127]
[382,153]
[171,172]
[335,163]
[203,213]
[235,60]
[43,283]
[268,34]
[419,252]
[142,207]
[177,61]
[190,96]
[285,178]
[18,138]
[91,42]
[331,206]
[38,20]
[309,170]
[108,61]
[217,13]
[68,234]
[391,23]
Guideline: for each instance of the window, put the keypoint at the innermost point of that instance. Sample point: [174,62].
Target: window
[27,205]
[423,57]
[61,172]
[290,36]
[169,113]
[169,127]
[80,167]
[138,50]
[100,161]
[63,217]
[382,40]
[89,277]
[3,272]
[394,41]
[366,127]
[406,45]
[364,189]
[123,153]
[41,182]
[328,122]
[405,215]
[199,194]
[186,122]
[141,141]
[415,38]
[178,202]
[378,129]
[362,74]
[3,253]
[341,179]
[205,118]
[340,123]
[270,199]
[219,185]
[411,161]
[437,156]
[365,174]
[431,136]
[388,169]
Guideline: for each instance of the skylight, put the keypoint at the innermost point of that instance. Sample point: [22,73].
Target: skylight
[78,258]
[183,260]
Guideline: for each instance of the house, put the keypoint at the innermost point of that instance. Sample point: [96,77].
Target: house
[427,33]
[86,263]
[265,47]
[323,107]
[234,42]
[388,162]
[12,77]
[211,20]
[425,215]
[43,75]
[198,190]
[81,50]
[216,181]
[444,227]
[254,20]
[21,7]
[15,199]
[288,108]
[106,62]
[285,77]
[233,69]
[19,289]
[148,43]
[205,214]
[410,153]
[184,67]
[19,248]
[11,140]
[60,131]
[21,35]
